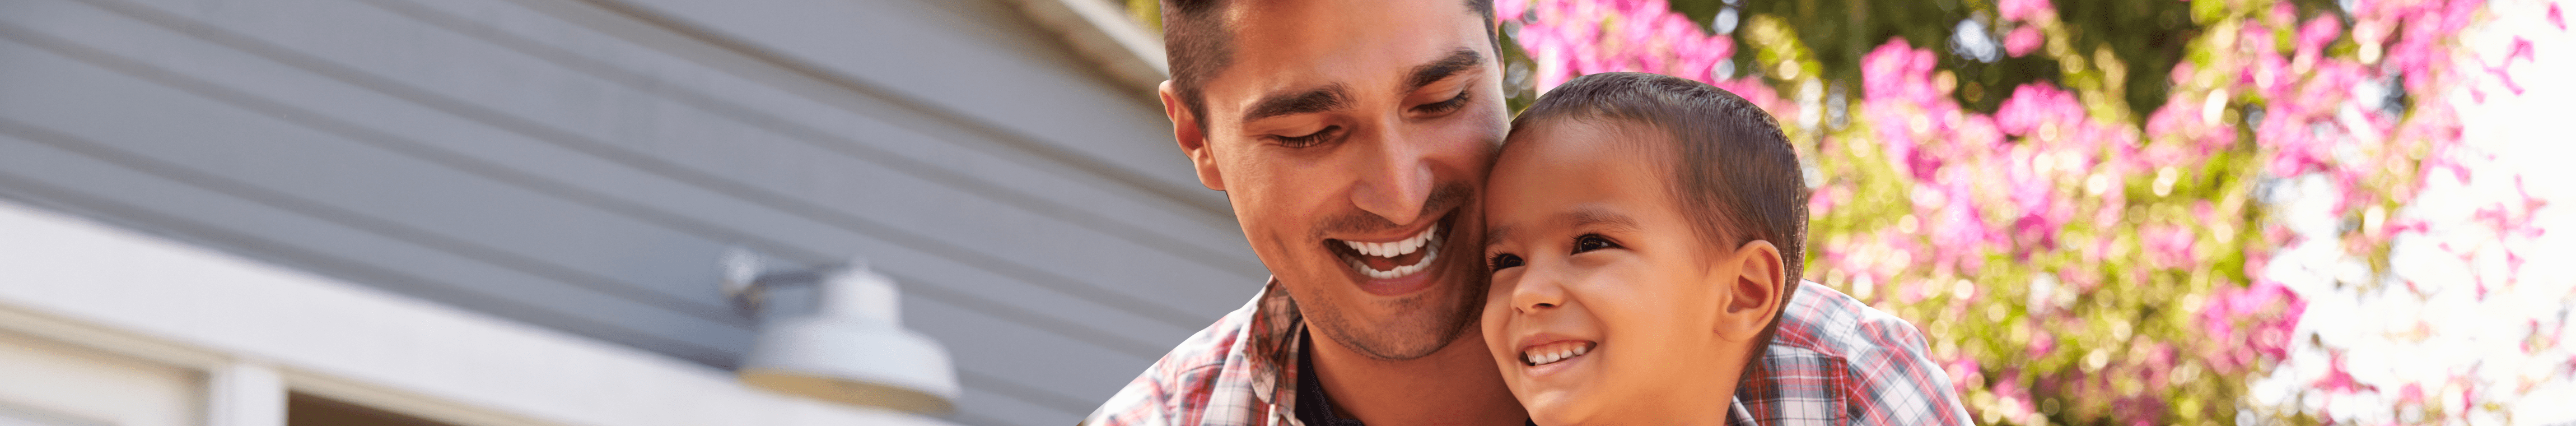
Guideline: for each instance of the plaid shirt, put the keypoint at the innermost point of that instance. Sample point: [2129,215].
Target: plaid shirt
[1834,361]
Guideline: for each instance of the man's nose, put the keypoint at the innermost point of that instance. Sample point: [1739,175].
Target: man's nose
[1395,178]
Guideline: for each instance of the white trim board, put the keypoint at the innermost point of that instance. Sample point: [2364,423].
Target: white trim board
[91,284]
[1104,34]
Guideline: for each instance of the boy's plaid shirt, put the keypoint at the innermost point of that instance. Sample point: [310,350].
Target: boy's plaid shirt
[1834,361]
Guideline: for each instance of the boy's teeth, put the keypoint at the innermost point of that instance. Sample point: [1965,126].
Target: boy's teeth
[1538,357]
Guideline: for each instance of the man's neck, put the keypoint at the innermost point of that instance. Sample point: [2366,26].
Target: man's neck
[1458,385]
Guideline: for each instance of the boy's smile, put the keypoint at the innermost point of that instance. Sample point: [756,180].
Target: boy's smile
[1549,349]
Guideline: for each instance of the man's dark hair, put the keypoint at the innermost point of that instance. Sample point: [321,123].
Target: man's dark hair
[1733,171]
[1197,44]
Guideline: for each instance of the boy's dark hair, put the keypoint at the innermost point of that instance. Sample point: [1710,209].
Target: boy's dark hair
[1733,171]
[1197,44]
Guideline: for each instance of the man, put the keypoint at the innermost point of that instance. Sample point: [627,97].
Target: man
[1352,137]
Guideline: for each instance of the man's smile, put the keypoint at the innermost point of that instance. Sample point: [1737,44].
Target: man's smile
[1392,258]
[1389,260]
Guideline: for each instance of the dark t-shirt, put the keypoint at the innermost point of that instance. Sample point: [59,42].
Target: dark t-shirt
[1313,408]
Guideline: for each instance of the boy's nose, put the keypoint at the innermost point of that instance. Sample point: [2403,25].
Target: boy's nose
[1537,290]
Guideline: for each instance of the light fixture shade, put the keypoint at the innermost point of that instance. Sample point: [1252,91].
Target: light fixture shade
[853,361]
[849,347]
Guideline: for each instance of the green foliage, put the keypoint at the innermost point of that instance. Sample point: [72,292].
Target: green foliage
[2143,34]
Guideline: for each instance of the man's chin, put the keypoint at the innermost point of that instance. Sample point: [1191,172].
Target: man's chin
[1410,317]
[1392,339]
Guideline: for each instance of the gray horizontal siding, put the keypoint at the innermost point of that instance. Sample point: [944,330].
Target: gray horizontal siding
[578,166]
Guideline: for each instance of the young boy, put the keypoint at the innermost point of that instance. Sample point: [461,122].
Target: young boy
[1643,232]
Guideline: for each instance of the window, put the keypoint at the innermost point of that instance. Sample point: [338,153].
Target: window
[309,410]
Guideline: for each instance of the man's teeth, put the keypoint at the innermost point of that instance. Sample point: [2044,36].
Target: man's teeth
[1553,353]
[1393,249]
[1399,271]
[1396,248]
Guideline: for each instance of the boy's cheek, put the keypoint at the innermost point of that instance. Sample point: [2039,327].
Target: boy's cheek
[1496,322]
[1495,326]
[1498,289]
[1496,312]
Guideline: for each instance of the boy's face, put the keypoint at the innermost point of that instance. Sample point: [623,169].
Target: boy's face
[1593,258]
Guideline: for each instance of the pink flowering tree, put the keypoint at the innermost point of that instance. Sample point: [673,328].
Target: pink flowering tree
[2080,256]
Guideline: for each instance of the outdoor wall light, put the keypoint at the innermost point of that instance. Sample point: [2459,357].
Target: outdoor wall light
[836,333]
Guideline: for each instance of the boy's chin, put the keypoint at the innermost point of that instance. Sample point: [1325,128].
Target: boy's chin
[1561,407]
[1560,420]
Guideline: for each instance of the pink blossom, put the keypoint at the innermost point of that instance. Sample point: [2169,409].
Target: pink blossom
[2039,110]
[1511,10]
[1570,38]
[2168,245]
[2023,40]
[2314,36]
[2024,10]
[2556,18]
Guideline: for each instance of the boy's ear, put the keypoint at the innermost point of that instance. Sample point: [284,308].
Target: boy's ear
[1187,130]
[1753,294]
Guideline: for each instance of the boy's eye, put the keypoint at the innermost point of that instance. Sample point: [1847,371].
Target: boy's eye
[1590,242]
[1502,261]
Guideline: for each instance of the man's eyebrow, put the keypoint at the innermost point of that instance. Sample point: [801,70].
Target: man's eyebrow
[1458,61]
[1314,100]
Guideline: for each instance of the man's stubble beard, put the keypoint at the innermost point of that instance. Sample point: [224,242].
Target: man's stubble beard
[1416,336]
[1424,336]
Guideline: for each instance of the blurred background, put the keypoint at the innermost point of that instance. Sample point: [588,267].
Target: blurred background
[2203,212]
[547,212]
[514,212]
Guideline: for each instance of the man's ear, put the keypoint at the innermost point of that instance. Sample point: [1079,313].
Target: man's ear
[1193,138]
[1753,293]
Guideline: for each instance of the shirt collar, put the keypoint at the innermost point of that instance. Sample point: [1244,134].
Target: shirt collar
[1736,414]
[1270,345]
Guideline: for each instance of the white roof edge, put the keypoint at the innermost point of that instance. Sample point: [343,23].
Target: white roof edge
[1104,34]
[107,288]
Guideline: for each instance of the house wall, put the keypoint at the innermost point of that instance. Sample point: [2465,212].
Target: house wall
[105,326]
[579,166]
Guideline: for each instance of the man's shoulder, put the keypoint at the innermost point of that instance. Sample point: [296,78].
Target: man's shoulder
[1831,323]
[1213,346]
[1835,360]
[1208,379]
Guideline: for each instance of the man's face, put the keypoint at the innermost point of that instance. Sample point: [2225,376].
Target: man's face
[1352,137]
